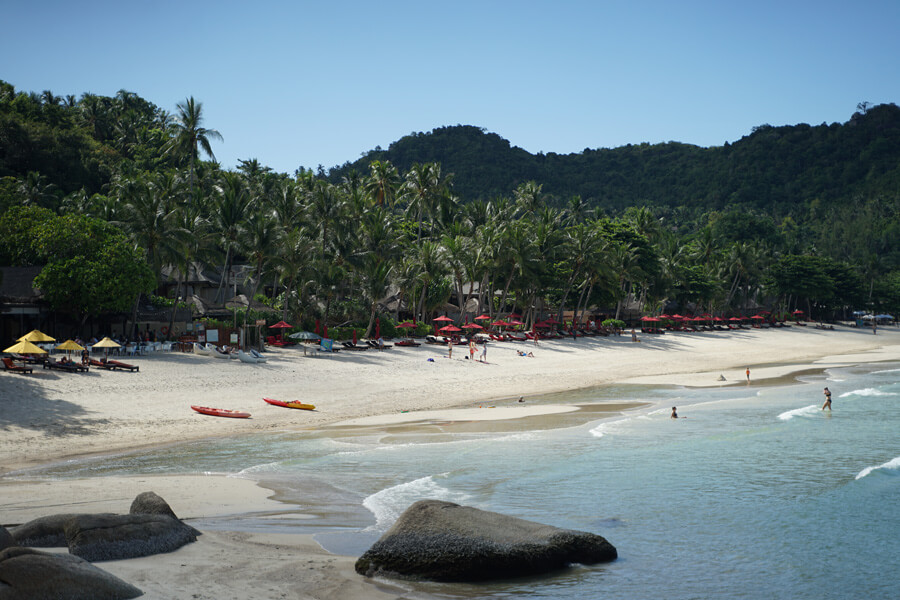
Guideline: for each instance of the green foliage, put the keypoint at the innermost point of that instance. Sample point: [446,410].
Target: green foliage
[617,323]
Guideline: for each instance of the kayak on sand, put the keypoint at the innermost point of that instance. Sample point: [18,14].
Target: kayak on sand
[299,405]
[221,412]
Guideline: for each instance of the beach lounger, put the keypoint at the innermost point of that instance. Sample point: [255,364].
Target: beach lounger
[352,346]
[101,364]
[409,342]
[11,366]
[120,365]
[69,367]
[374,344]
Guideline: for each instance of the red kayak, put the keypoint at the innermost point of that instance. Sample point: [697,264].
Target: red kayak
[299,405]
[221,412]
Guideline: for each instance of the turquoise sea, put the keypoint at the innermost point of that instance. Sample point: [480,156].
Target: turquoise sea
[757,493]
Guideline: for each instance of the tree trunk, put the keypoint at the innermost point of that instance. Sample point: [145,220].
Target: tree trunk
[174,308]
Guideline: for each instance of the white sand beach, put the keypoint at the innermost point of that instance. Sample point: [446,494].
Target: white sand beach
[51,416]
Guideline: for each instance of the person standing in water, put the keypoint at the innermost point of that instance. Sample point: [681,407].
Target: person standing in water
[827,400]
[748,375]
[674,413]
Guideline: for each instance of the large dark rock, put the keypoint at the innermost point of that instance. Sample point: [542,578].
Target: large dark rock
[115,537]
[27,574]
[43,532]
[149,503]
[442,541]
[6,538]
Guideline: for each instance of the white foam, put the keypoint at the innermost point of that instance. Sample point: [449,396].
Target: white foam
[892,465]
[886,371]
[389,503]
[606,427]
[867,392]
[798,412]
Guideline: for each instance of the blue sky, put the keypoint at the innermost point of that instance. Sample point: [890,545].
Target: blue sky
[302,83]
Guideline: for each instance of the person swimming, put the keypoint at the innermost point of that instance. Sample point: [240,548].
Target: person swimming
[674,413]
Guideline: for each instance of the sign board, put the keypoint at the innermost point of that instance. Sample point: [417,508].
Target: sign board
[212,335]
[260,322]
[234,338]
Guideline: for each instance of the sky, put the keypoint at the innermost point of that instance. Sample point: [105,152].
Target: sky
[307,83]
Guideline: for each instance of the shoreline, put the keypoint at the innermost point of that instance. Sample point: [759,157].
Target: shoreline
[74,416]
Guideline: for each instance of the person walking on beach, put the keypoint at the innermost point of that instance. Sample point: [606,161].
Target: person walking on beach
[748,375]
[827,400]
[484,352]
[449,348]
[472,349]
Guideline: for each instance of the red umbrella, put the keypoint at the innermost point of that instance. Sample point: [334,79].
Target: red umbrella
[500,324]
[472,326]
[552,321]
[444,318]
[281,325]
[449,329]
[735,319]
[664,316]
[482,317]
[649,319]
[797,312]
[677,316]
[405,325]
[516,323]
[758,317]
[700,318]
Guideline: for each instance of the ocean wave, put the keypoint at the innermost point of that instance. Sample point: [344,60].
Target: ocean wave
[798,412]
[603,428]
[269,467]
[891,465]
[388,504]
[867,392]
[885,371]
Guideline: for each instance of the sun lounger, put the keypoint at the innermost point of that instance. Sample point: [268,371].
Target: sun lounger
[377,346]
[101,364]
[410,342]
[11,366]
[69,367]
[352,346]
[120,365]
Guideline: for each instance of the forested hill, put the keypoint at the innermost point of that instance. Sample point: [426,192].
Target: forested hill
[771,169]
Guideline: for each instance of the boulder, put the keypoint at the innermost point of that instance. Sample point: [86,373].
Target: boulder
[6,538]
[115,537]
[149,503]
[27,574]
[442,541]
[43,532]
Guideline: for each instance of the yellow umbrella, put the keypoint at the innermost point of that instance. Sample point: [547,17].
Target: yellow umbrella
[69,345]
[25,347]
[107,343]
[36,336]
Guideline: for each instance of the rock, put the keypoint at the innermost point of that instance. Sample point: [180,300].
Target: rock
[6,538]
[149,503]
[442,541]
[44,532]
[27,574]
[115,537]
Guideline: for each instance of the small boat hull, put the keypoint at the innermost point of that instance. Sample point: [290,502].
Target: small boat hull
[221,412]
[201,350]
[284,404]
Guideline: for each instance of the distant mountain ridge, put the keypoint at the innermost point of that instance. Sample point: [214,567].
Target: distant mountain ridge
[766,170]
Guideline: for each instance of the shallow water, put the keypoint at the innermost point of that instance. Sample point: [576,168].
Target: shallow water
[757,493]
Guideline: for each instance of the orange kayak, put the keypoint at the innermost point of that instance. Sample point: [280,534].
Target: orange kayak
[221,412]
[299,405]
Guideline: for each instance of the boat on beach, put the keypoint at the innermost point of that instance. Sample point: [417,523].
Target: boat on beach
[221,412]
[289,404]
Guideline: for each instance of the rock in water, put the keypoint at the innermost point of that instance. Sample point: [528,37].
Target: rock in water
[442,541]
[115,537]
[27,574]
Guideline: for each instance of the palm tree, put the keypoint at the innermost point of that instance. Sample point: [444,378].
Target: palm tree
[382,182]
[189,135]
[231,206]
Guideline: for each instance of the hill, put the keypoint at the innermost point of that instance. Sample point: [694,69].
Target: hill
[771,169]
